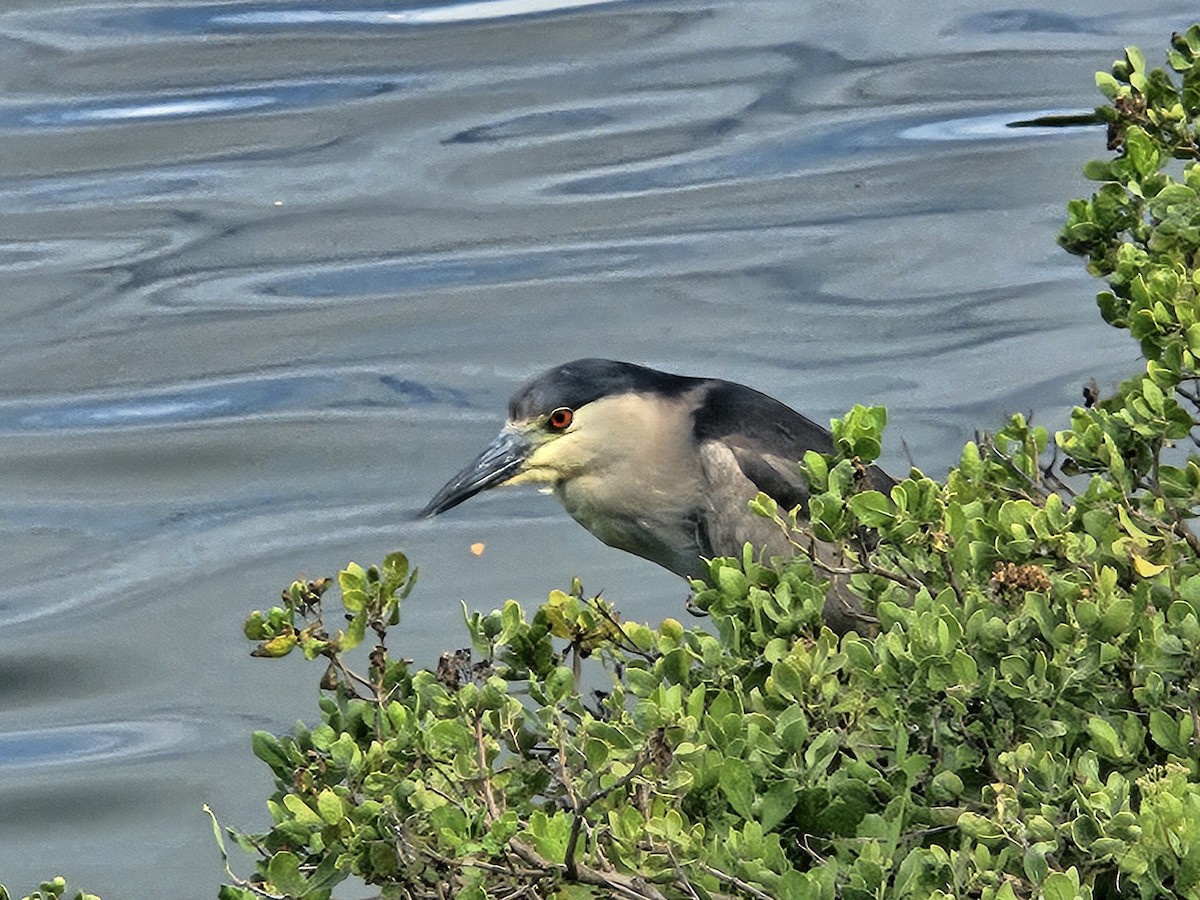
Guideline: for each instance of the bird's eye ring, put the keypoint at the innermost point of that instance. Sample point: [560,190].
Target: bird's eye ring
[560,419]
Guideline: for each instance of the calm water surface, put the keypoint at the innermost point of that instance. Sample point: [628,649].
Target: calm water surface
[270,271]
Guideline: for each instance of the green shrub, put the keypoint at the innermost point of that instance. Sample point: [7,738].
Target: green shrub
[55,889]
[1024,723]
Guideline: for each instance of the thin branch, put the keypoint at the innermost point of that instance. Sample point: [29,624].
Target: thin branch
[871,569]
[952,578]
[627,643]
[736,882]
[238,882]
[564,769]
[1039,491]
[1155,487]
[681,879]
[623,886]
[485,770]
[865,566]
[581,808]
[817,857]
[467,861]
[1059,485]
[336,659]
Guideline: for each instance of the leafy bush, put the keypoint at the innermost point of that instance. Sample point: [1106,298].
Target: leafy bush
[55,889]
[1024,722]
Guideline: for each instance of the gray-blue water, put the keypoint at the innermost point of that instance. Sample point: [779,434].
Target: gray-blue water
[269,271]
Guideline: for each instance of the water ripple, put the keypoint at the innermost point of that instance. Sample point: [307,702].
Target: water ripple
[66,254]
[675,254]
[231,398]
[444,13]
[236,535]
[1028,20]
[93,743]
[25,195]
[543,124]
[110,23]
[807,151]
[994,126]
[218,101]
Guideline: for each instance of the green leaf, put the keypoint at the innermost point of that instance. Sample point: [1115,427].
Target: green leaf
[737,784]
[329,806]
[1105,739]
[816,469]
[821,750]
[1034,862]
[872,508]
[777,803]
[1141,151]
[1117,618]
[1108,85]
[395,569]
[1165,731]
[786,678]
[255,627]
[354,600]
[732,582]
[267,748]
[352,578]
[283,871]
[301,811]
[1061,886]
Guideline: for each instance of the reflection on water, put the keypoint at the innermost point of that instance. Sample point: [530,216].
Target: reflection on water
[428,15]
[233,398]
[269,268]
[217,102]
[995,126]
[89,745]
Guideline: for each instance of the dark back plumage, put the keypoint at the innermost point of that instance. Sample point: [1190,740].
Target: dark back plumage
[734,409]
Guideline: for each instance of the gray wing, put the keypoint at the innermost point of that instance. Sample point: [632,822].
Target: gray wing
[749,442]
[765,437]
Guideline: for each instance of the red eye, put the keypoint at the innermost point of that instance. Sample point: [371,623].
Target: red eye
[560,419]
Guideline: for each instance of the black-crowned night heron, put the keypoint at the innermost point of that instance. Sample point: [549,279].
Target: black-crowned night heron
[663,466]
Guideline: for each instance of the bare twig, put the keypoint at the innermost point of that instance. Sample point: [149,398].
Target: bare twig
[582,807]
[1040,492]
[817,857]
[239,882]
[736,882]
[871,569]
[681,879]
[623,886]
[951,578]
[865,565]
[485,771]
[564,769]
[626,643]
[472,862]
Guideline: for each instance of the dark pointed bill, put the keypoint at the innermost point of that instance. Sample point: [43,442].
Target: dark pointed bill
[499,461]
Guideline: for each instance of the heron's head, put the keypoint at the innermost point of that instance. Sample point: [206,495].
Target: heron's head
[567,422]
